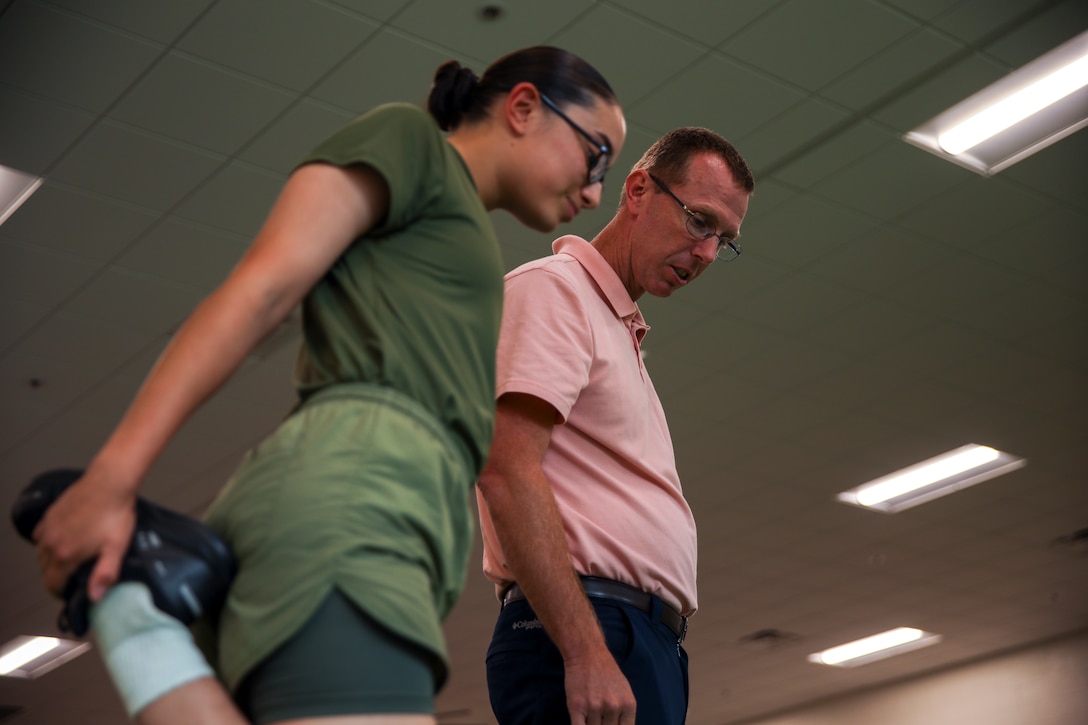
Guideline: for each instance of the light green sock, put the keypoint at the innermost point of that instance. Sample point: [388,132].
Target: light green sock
[147,652]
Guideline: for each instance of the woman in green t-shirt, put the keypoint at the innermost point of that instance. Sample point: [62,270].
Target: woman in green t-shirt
[351,524]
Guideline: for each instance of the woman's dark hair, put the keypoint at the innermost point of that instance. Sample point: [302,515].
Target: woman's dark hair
[458,95]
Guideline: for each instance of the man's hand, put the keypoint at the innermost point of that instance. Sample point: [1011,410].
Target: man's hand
[91,519]
[598,693]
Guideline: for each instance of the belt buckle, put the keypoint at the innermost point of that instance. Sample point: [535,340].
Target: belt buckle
[683,630]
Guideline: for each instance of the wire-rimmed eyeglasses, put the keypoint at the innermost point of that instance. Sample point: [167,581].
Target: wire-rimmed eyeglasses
[728,249]
[599,160]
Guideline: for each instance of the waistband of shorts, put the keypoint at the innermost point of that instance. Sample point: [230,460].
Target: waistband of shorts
[372,393]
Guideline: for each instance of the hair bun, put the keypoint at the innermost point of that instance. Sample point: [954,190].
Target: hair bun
[451,93]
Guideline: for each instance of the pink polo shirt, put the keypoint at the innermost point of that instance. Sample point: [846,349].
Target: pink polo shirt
[570,336]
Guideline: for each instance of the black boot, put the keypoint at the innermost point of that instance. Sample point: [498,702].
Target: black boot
[184,564]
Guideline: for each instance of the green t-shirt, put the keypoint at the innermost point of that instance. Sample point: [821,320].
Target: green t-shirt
[416,303]
[413,306]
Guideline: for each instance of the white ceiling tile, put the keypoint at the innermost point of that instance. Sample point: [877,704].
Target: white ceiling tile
[772,193]
[959,282]
[636,57]
[1027,314]
[41,277]
[884,183]
[778,365]
[854,384]
[731,283]
[36,390]
[956,416]
[54,54]
[125,163]
[107,400]
[974,213]
[56,128]
[269,383]
[786,418]
[220,432]
[868,325]
[934,347]
[163,304]
[733,340]
[807,166]
[900,63]
[708,21]
[1060,170]
[1066,341]
[298,43]
[822,47]
[1054,26]
[103,344]
[192,101]
[139,365]
[753,99]
[1049,249]
[923,9]
[237,198]
[935,94]
[973,20]
[878,260]
[299,129]
[18,318]
[732,395]
[789,135]
[180,251]
[72,438]
[794,303]
[1020,379]
[522,24]
[162,22]
[356,87]
[806,228]
[68,220]
[377,9]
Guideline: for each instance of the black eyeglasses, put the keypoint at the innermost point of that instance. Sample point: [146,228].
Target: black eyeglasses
[599,159]
[728,249]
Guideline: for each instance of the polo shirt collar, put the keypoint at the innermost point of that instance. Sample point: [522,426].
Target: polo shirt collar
[606,278]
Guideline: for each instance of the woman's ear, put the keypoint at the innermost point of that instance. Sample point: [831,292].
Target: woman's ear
[521,105]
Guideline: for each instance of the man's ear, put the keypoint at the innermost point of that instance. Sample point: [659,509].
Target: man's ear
[520,105]
[636,191]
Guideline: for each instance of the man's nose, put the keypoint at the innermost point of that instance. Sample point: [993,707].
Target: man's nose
[706,250]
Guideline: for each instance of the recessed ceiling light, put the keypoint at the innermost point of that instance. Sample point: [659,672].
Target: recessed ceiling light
[29,657]
[932,478]
[876,647]
[1024,112]
[15,188]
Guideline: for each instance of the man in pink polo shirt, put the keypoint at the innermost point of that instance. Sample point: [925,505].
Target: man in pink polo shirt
[587,536]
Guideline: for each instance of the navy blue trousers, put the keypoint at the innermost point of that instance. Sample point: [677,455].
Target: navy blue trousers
[525,669]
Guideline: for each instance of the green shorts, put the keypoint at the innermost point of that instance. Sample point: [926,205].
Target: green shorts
[361,491]
[341,662]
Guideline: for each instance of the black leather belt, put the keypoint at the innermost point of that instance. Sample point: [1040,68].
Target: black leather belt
[620,592]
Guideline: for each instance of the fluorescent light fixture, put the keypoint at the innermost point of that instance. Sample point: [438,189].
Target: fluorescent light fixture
[876,647]
[15,188]
[932,478]
[29,657]
[1024,112]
